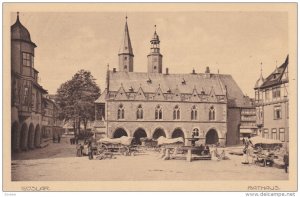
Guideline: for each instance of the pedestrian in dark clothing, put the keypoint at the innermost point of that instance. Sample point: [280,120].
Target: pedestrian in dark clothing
[78,150]
[70,140]
[90,151]
[58,139]
[286,161]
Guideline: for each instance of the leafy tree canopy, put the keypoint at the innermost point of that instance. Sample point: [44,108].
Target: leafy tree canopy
[76,97]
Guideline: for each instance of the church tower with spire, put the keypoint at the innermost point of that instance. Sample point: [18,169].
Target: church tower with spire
[125,52]
[155,58]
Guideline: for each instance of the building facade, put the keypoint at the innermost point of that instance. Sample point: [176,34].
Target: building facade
[51,125]
[153,104]
[27,109]
[272,104]
[248,125]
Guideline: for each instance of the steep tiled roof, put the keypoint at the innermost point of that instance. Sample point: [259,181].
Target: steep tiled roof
[102,97]
[235,95]
[182,83]
[275,77]
[150,82]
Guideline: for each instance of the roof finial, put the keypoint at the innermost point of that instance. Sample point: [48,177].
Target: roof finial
[18,16]
[126,17]
[261,67]
[155,28]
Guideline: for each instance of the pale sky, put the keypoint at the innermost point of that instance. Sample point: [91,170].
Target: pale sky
[233,42]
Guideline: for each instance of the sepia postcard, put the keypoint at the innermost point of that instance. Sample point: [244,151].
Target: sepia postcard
[150,97]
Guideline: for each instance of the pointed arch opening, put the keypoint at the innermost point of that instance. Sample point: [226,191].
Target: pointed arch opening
[194,113]
[178,133]
[158,132]
[158,112]
[212,113]
[212,137]
[139,112]
[121,112]
[31,136]
[119,133]
[138,134]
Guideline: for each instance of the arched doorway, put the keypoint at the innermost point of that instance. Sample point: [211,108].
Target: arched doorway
[158,132]
[31,136]
[15,136]
[177,133]
[119,133]
[37,136]
[138,134]
[24,137]
[212,137]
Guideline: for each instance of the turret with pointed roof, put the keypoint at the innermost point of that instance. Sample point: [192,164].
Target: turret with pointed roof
[126,52]
[155,58]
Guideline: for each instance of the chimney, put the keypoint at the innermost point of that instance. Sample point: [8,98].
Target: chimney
[167,71]
[114,70]
[207,70]
[194,72]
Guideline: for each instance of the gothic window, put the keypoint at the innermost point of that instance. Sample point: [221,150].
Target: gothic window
[139,112]
[194,113]
[121,112]
[125,67]
[176,113]
[212,113]
[158,112]
[125,58]
[27,59]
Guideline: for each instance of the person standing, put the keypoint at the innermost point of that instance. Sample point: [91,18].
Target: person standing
[286,161]
[246,150]
[90,151]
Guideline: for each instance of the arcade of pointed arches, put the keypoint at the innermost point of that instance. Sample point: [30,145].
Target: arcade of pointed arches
[24,137]
[212,135]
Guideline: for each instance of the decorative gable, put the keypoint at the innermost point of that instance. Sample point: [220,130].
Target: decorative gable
[195,97]
[140,95]
[212,95]
[121,94]
[159,94]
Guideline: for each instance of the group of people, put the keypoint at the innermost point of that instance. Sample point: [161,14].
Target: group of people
[80,149]
[74,140]
[247,152]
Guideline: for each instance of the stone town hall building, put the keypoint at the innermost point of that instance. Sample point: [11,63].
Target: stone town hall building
[152,104]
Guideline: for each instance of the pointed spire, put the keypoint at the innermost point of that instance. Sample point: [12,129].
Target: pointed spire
[261,75]
[126,47]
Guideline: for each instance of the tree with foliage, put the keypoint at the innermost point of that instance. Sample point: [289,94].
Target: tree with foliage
[76,98]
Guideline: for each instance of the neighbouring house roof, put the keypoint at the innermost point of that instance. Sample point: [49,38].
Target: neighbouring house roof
[275,78]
